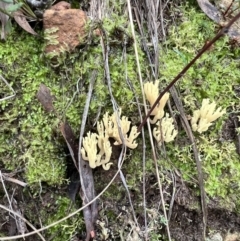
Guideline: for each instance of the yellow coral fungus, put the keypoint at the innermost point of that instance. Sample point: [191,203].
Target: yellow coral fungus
[106,128]
[111,128]
[165,131]
[90,143]
[204,117]
[152,92]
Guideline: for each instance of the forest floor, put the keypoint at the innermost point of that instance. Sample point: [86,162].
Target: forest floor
[39,181]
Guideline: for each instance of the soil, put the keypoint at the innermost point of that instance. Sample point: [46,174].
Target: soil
[185,222]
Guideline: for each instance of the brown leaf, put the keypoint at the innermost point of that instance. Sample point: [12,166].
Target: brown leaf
[90,213]
[20,18]
[45,98]
[210,10]
[217,16]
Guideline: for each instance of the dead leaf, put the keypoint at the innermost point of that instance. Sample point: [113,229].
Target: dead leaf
[218,17]
[45,98]
[210,10]
[90,212]
[20,18]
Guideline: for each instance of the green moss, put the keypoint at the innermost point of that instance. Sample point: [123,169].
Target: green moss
[30,137]
[67,229]
[213,76]
[27,132]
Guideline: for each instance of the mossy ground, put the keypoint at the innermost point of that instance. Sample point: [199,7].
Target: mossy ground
[213,76]
[30,138]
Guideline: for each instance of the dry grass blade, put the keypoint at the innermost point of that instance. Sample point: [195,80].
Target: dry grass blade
[8,178]
[143,164]
[3,19]
[152,16]
[172,196]
[10,87]
[26,10]
[86,177]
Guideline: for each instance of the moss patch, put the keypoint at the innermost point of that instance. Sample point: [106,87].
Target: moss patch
[213,76]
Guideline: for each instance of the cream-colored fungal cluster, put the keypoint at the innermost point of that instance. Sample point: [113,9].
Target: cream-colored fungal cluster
[204,117]
[164,130]
[151,91]
[111,127]
[97,148]
[90,152]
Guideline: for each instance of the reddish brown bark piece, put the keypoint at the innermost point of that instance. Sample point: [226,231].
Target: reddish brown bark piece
[45,98]
[66,27]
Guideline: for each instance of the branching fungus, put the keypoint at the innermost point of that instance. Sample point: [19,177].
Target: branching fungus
[204,117]
[97,148]
[111,128]
[152,92]
[165,131]
[90,143]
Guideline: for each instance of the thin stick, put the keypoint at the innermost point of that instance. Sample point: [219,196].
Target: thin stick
[5,190]
[10,87]
[14,180]
[230,5]
[26,221]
